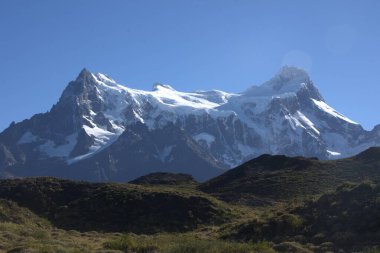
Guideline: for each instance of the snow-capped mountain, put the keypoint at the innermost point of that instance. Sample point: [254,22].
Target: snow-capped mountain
[101,130]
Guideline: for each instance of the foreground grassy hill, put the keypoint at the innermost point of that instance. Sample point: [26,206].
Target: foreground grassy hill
[347,220]
[23,231]
[115,207]
[62,205]
[272,179]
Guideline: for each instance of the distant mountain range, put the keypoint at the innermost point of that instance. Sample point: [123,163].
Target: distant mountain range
[102,131]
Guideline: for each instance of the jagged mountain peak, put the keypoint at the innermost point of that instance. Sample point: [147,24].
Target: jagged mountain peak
[81,84]
[86,77]
[288,80]
[84,73]
[287,72]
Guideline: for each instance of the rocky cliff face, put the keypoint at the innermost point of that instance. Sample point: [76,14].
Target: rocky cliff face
[100,130]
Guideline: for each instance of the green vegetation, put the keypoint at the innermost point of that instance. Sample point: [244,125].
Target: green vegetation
[373,250]
[347,219]
[182,243]
[29,233]
[23,231]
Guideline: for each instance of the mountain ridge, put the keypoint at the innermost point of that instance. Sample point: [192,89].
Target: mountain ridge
[285,115]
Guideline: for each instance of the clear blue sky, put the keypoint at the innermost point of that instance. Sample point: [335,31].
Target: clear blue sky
[189,44]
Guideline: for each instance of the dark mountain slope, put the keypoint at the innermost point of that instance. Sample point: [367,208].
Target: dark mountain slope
[268,179]
[164,178]
[114,207]
[139,151]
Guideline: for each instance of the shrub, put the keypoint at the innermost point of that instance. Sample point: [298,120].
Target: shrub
[373,250]
[124,243]
[294,221]
[127,243]
[202,246]
[263,247]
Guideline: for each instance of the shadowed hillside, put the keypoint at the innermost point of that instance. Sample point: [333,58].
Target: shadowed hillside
[165,178]
[347,219]
[269,179]
[114,207]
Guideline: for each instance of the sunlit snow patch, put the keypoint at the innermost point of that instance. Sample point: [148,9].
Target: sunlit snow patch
[323,106]
[332,153]
[102,139]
